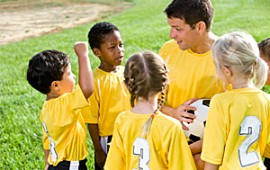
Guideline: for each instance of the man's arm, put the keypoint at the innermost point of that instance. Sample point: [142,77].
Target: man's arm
[86,80]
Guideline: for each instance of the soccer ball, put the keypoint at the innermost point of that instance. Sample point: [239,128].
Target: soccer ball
[196,128]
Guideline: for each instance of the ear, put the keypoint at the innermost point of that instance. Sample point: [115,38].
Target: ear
[200,26]
[226,71]
[55,86]
[97,52]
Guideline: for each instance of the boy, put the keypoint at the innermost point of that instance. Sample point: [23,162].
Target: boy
[64,132]
[264,47]
[111,96]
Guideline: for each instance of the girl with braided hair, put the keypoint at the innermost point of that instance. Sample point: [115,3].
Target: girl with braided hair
[143,137]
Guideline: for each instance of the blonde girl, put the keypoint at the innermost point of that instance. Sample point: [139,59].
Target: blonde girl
[237,128]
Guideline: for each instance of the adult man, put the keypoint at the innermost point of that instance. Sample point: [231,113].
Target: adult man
[191,69]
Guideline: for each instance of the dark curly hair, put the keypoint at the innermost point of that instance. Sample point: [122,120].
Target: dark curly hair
[46,67]
[264,47]
[97,33]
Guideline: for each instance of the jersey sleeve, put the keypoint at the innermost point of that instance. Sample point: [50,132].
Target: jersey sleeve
[91,113]
[115,159]
[215,134]
[179,154]
[86,114]
[77,99]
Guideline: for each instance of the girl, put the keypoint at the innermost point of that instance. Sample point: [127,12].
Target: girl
[237,127]
[143,137]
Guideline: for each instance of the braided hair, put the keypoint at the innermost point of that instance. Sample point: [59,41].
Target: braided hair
[146,75]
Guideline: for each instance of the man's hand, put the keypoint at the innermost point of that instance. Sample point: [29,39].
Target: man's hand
[181,113]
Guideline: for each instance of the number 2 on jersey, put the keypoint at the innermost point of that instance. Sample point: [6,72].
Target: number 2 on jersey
[251,127]
[141,149]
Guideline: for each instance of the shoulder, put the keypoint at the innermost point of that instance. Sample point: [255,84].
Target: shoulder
[221,96]
[265,98]
[98,73]
[169,44]
[122,116]
[167,120]
[221,99]
[169,48]
[266,95]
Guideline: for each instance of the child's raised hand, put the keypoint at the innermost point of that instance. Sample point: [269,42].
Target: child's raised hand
[81,49]
[85,72]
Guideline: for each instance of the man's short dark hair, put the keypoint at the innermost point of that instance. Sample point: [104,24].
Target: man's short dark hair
[191,11]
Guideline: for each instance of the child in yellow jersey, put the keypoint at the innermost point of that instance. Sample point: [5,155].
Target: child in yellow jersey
[264,47]
[143,137]
[64,132]
[237,127]
[110,96]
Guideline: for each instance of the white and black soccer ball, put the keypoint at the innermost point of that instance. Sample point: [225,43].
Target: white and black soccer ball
[196,128]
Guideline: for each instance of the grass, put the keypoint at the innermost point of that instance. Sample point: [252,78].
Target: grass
[143,27]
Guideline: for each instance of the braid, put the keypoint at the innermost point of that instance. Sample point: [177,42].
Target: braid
[132,91]
[164,83]
[146,76]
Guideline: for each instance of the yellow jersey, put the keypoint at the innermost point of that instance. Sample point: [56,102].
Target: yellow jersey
[164,148]
[64,132]
[237,129]
[191,75]
[109,99]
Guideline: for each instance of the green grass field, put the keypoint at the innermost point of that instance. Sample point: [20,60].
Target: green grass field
[143,26]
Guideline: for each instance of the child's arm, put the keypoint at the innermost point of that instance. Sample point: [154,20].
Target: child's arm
[46,155]
[86,80]
[209,166]
[196,147]
[99,153]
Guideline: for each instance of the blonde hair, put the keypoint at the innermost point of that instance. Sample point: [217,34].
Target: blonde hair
[239,52]
[146,75]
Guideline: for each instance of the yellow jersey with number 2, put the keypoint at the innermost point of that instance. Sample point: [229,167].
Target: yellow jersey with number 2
[237,129]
